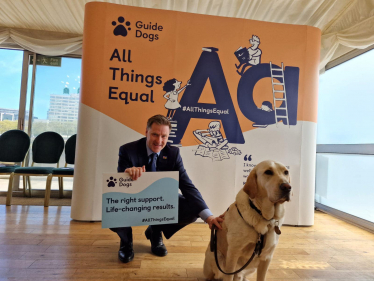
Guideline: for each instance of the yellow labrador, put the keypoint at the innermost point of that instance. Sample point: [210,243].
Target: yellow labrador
[268,187]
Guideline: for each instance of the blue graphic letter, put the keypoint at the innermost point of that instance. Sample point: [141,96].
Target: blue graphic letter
[209,66]
[245,94]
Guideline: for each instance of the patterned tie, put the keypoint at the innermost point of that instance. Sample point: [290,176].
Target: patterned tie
[152,165]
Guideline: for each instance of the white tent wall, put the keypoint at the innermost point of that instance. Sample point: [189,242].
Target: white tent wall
[55,27]
[41,42]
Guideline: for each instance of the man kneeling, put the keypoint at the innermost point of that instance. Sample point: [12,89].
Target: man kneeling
[151,154]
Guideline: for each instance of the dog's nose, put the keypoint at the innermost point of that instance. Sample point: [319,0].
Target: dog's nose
[285,186]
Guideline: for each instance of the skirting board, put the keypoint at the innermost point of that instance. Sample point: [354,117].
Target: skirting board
[364,224]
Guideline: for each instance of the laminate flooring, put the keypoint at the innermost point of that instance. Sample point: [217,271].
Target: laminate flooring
[38,243]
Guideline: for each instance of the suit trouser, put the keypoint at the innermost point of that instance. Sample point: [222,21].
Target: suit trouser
[184,218]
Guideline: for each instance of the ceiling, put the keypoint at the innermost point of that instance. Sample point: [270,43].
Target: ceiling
[55,27]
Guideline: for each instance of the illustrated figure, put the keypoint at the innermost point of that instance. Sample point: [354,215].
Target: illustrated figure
[266,106]
[152,154]
[172,89]
[212,136]
[250,56]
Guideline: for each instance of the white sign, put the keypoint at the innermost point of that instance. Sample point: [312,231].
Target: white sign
[151,199]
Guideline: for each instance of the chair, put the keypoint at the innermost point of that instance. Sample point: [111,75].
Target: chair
[60,173]
[46,149]
[14,145]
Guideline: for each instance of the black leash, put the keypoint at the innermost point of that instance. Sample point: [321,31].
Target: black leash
[213,248]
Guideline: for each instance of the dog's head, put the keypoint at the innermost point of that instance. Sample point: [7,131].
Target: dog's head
[269,179]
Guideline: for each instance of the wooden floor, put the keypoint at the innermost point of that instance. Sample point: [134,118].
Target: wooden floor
[39,243]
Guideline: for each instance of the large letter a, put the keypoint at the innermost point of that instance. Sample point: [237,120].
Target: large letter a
[208,66]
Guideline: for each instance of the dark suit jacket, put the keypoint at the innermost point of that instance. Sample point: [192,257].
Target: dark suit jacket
[134,154]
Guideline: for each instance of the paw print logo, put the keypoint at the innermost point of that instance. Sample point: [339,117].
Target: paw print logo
[111,182]
[120,28]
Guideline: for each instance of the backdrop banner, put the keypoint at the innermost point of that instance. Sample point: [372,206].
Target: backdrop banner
[237,92]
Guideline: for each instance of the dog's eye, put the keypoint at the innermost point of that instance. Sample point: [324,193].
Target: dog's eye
[269,172]
[286,172]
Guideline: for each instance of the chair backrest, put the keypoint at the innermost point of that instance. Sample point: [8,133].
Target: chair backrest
[14,145]
[70,150]
[47,148]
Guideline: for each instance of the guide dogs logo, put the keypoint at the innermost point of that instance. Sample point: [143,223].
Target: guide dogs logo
[150,31]
[125,182]
[121,29]
[111,182]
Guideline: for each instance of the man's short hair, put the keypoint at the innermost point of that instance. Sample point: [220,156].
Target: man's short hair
[254,39]
[214,125]
[158,119]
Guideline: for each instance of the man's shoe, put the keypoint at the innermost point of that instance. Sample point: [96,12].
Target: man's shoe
[126,252]
[157,245]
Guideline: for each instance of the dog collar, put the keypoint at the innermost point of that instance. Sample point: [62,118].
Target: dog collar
[254,207]
[276,227]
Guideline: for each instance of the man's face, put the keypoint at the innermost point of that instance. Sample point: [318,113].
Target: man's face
[157,137]
[254,43]
[214,132]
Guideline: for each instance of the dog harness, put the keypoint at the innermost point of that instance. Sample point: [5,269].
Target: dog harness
[261,237]
[258,248]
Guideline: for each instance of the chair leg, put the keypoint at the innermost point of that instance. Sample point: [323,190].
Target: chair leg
[24,185]
[29,181]
[10,190]
[61,187]
[48,190]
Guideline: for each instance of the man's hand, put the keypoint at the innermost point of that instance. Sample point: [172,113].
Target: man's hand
[214,221]
[135,172]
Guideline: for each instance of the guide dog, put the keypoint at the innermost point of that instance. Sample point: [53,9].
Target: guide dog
[267,187]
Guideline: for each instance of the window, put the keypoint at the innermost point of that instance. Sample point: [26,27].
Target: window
[10,88]
[345,138]
[346,99]
[55,88]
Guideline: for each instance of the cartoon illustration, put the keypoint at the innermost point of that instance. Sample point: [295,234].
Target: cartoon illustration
[266,106]
[171,87]
[234,151]
[120,29]
[212,137]
[250,56]
[279,94]
[276,108]
[214,145]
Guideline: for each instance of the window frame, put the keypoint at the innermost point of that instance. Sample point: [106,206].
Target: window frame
[359,149]
[22,106]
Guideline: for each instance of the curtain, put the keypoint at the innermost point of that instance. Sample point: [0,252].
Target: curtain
[55,27]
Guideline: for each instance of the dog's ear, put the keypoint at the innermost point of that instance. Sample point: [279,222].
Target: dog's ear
[250,186]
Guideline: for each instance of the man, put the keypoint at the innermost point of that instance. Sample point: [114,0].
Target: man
[254,54]
[154,154]
[212,137]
